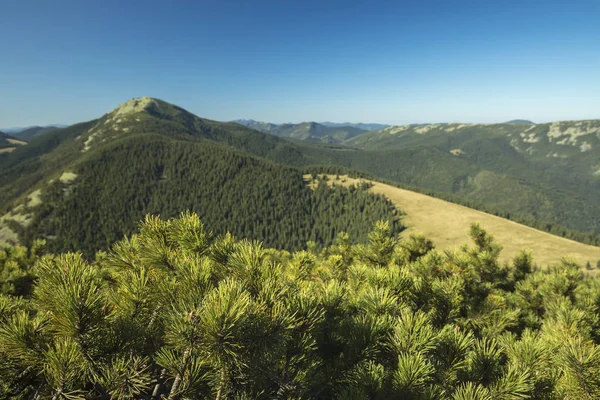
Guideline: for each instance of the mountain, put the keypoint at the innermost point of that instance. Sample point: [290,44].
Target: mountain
[16,130]
[360,125]
[265,127]
[521,122]
[34,131]
[9,143]
[309,131]
[85,186]
[547,171]
[313,131]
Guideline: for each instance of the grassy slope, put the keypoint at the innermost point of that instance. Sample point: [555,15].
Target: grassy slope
[9,143]
[447,224]
[538,170]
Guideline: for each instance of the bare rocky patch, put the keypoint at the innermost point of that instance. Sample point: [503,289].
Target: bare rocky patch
[457,152]
[67,177]
[20,215]
[569,132]
[35,198]
[393,130]
[585,146]
[134,106]
[530,137]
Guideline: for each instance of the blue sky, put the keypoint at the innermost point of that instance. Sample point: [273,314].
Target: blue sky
[291,61]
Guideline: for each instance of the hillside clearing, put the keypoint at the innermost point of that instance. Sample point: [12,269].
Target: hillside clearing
[17,142]
[447,224]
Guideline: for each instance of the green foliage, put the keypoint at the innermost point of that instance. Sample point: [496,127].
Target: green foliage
[229,190]
[174,312]
[16,277]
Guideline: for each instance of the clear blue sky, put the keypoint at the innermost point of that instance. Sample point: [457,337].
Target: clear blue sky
[280,61]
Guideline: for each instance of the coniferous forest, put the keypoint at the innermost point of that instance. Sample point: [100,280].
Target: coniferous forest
[231,191]
[177,312]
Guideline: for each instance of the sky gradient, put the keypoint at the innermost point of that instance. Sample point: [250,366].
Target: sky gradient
[391,62]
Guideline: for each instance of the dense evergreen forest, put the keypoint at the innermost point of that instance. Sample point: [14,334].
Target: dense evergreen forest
[175,312]
[231,191]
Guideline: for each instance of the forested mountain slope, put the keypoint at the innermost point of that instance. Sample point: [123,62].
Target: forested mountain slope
[549,171]
[49,154]
[309,131]
[34,131]
[85,187]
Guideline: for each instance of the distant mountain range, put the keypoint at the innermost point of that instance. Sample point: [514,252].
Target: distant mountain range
[16,130]
[360,125]
[517,166]
[310,131]
[533,169]
[521,122]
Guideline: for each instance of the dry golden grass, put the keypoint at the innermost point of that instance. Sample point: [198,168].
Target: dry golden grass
[447,224]
[7,150]
[15,141]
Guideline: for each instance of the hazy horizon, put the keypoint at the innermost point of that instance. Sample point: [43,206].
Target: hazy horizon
[375,62]
[61,123]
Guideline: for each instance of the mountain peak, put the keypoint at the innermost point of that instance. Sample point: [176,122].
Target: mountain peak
[520,122]
[136,105]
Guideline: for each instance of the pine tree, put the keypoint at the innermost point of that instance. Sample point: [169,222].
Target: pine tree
[175,312]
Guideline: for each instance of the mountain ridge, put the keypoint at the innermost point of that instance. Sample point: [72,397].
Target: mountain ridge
[369,126]
[462,164]
[309,131]
[521,122]
[150,157]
